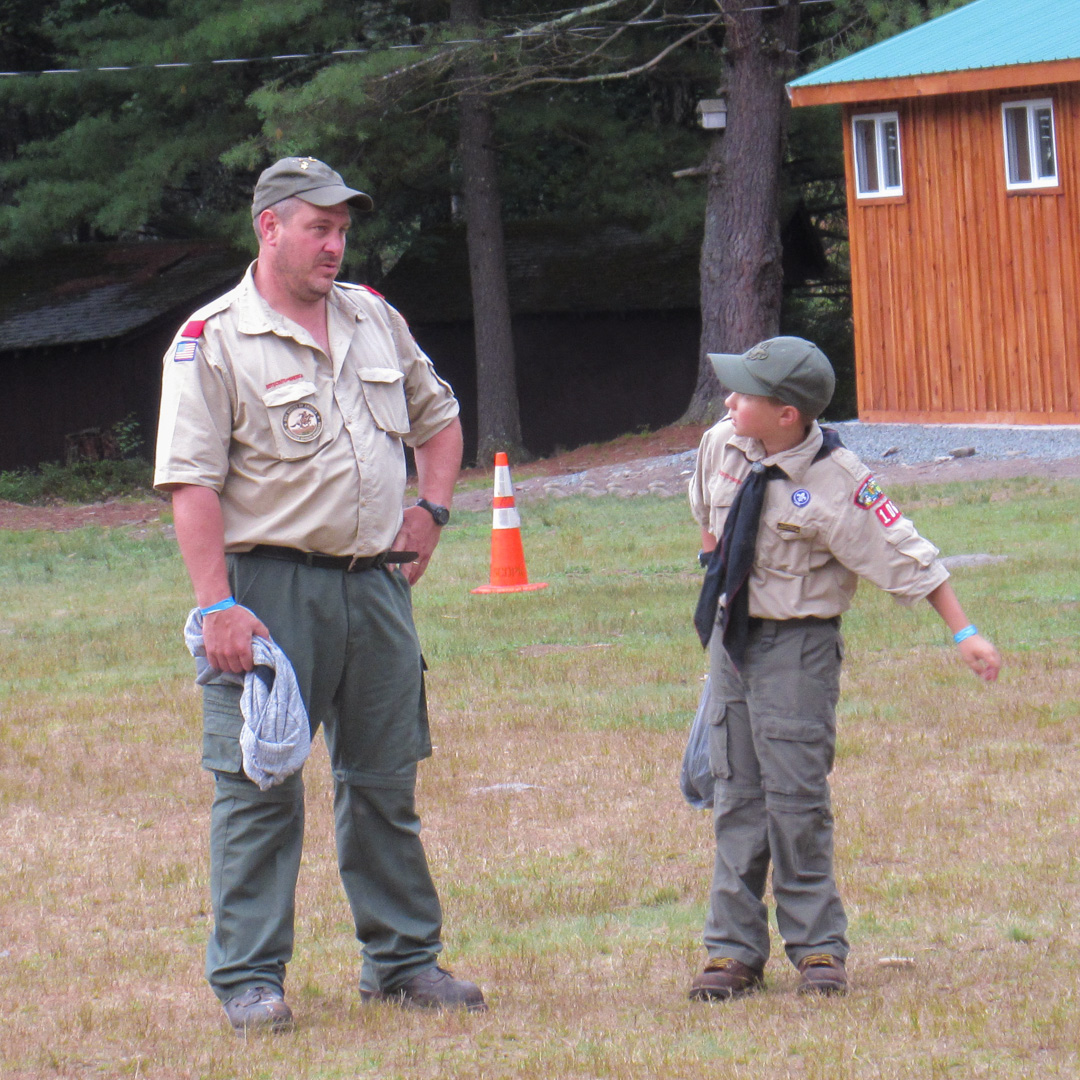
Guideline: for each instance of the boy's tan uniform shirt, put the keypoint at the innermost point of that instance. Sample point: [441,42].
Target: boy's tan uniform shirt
[304,451]
[824,525]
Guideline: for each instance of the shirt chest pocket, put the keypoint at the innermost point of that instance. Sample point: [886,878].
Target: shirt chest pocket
[786,545]
[384,393]
[722,492]
[299,423]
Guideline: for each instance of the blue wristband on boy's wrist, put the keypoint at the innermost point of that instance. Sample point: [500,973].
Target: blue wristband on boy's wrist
[221,605]
[963,635]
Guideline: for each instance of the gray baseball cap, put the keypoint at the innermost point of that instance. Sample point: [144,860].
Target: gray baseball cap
[308,179]
[790,369]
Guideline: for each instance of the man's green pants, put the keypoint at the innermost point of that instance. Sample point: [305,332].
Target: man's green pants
[353,645]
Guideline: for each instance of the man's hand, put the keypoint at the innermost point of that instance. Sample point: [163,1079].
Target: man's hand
[419,533]
[981,656]
[437,464]
[227,636]
[200,532]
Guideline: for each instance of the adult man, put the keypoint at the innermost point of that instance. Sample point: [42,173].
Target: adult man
[285,404]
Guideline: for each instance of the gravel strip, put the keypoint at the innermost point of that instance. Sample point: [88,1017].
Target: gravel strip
[913,444]
[898,453]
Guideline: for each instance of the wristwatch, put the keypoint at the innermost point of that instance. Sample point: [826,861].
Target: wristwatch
[439,513]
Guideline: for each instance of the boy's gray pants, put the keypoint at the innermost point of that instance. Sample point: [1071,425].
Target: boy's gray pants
[772,742]
[352,643]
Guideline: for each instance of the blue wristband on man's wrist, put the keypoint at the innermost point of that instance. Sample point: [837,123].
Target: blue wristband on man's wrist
[963,635]
[221,605]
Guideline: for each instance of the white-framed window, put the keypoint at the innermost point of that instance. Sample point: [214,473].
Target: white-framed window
[877,155]
[1030,150]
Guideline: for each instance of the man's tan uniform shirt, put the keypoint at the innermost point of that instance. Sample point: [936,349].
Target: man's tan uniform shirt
[824,525]
[304,450]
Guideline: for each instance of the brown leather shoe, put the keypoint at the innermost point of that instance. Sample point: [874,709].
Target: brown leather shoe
[259,1008]
[433,988]
[725,978]
[822,973]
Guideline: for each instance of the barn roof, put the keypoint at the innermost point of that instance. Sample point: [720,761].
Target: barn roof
[982,35]
[101,292]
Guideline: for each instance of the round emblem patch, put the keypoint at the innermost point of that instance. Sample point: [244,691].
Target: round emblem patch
[801,497]
[302,422]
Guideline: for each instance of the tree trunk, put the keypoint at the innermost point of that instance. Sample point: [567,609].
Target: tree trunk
[741,267]
[497,413]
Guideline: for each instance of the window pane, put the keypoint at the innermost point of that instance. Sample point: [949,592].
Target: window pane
[890,135]
[866,166]
[1044,134]
[1017,146]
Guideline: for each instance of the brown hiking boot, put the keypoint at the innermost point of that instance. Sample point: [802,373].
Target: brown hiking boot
[433,988]
[725,978]
[822,973]
[259,1008]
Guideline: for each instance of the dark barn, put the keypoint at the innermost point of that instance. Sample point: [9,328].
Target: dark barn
[82,333]
[606,326]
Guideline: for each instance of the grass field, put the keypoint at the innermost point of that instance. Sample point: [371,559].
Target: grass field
[573,875]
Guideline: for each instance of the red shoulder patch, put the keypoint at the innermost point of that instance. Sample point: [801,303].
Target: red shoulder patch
[374,292]
[887,513]
[194,328]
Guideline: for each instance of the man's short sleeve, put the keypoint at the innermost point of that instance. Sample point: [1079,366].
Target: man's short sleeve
[431,400]
[195,421]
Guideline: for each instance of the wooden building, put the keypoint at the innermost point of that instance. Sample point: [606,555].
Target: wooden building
[82,332]
[606,324]
[962,157]
[606,321]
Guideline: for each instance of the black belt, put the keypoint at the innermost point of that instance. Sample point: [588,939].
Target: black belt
[754,622]
[348,563]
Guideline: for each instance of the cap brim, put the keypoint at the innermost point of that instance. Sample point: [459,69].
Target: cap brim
[731,371]
[335,194]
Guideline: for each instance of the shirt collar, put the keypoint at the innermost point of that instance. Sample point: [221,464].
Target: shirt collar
[794,462]
[256,316]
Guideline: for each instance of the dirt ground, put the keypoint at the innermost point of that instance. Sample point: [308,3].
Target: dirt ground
[645,464]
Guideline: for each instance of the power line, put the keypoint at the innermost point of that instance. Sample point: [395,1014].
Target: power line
[516,35]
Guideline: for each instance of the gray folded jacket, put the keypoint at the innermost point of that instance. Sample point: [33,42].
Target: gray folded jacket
[276,737]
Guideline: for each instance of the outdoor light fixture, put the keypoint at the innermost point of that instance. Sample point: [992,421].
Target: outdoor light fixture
[713,112]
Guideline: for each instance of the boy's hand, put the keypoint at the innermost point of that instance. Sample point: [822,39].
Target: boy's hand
[981,656]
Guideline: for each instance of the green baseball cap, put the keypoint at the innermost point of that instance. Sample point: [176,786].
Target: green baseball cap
[308,179]
[790,369]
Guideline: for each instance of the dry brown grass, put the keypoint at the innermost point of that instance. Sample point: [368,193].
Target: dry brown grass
[572,873]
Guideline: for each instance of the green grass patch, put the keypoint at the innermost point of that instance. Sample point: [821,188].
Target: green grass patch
[574,877]
[81,482]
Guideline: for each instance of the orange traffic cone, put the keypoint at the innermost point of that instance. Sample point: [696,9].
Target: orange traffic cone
[507,555]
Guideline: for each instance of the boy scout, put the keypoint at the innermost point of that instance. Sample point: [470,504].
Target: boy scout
[792,521]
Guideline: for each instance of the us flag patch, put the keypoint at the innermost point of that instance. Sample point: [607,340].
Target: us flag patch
[185,350]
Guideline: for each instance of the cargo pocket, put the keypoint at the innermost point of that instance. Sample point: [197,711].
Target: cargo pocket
[719,758]
[384,392]
[222,721]
[796,755]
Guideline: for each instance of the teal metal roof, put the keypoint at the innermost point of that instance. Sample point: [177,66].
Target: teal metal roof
[982,34]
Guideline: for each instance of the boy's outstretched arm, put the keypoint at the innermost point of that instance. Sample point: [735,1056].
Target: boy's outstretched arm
[978,653]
